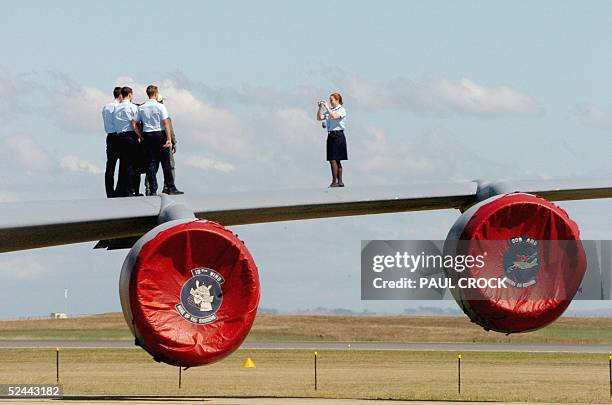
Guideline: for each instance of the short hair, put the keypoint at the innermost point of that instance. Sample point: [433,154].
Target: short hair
[337,96]
[151,90]
[117,92]
[126,91]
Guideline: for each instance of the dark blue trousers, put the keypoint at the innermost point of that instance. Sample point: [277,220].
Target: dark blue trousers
[155,154]
[127,144]
[112,156]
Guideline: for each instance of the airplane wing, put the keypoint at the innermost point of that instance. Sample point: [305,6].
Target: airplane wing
[28,225]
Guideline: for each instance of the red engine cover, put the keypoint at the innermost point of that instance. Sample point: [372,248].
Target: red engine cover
[498,225]
[192,292]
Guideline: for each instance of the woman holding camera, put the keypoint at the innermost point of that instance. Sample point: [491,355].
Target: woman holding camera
[334,116]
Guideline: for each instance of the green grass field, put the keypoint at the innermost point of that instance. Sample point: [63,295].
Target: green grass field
[539,377]
[331,328]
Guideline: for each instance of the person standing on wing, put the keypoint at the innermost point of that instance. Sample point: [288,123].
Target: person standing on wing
[112,149]
[125,121]
[334,116]
[171,152]
[157,140]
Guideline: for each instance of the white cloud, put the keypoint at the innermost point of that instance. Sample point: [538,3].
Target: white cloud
[251,94]
[471,97]
[594,116]
[26,151]
[206,163]
[6,196]
[20,268]
[296,125]
[219,129]
[11,88]
[386,158]
[380,155]
[436,95]
[77,164]
[80,109]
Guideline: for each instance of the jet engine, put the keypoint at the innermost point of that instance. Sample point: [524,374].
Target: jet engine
[529,242]
[189,291]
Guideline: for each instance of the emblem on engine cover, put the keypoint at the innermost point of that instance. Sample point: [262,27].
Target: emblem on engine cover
[201,296]
[521,262]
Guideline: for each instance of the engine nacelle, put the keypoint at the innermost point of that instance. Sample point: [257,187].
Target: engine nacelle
[189,291]
[531,243]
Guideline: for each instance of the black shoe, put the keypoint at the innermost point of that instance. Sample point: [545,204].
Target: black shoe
[174,191]
[340,184]
[139,195]
[165,191]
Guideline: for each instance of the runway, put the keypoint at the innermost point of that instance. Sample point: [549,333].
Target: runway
[451,347]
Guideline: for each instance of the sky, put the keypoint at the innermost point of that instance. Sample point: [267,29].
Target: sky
[435,91]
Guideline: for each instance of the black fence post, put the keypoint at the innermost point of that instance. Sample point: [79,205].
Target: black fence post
[315,370]
[610,370]
[57,350]
[459,373]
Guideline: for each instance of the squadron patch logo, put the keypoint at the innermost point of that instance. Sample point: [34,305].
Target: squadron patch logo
[522,262]
[201,296]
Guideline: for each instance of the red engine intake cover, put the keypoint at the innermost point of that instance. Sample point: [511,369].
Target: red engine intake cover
[500,224]
[189,291]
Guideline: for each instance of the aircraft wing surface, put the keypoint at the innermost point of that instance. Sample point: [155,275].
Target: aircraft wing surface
[27,225]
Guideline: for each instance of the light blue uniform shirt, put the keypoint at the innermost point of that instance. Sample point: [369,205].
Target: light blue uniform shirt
[107,116]
[124,113]
[333,124]
[152,113]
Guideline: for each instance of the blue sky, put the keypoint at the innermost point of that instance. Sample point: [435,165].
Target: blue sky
[435,91]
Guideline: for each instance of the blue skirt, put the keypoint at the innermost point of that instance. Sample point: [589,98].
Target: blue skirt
[336,146]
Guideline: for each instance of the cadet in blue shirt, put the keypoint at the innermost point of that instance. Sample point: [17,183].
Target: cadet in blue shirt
[112,150]
[125,121]
[334,116]
[157,138]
